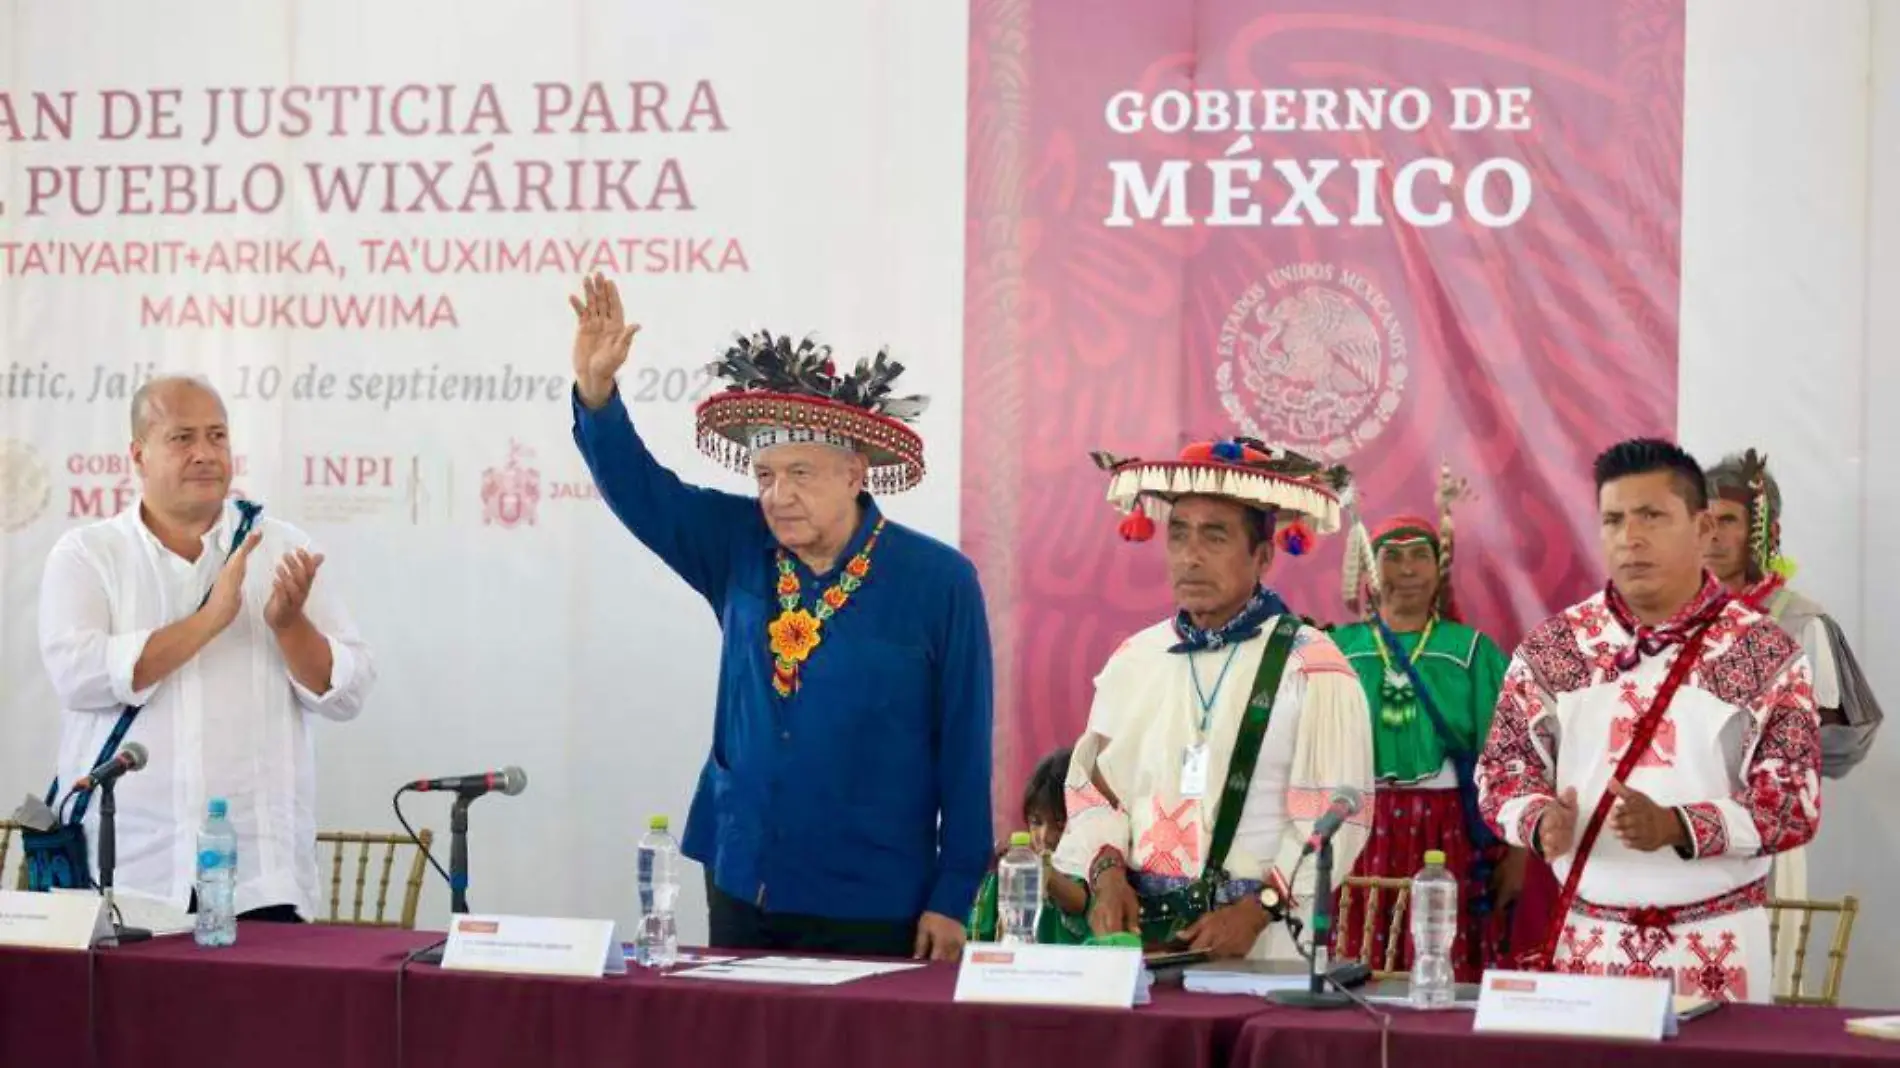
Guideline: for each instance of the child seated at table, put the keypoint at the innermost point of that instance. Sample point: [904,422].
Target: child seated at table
[1064,918]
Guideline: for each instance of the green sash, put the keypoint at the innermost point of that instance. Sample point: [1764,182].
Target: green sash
[1165,916]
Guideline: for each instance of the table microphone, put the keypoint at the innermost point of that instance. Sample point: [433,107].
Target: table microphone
[1346,803]
[510,781]
[129,759]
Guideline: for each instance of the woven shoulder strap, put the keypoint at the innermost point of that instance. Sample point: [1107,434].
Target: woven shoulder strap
[1253,729]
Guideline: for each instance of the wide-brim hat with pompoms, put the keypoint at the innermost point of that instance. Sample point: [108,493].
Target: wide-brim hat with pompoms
[782,392]
[1301,496]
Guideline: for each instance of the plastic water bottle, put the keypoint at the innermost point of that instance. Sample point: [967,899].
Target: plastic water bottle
[1018,892]
[659,866]
[1434,929]
[216,923]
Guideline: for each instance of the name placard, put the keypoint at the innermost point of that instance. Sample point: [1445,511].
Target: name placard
[53,921]
[1586,1006]
[533,945]
[1106,977]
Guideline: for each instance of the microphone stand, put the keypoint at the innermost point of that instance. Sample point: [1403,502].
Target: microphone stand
[458,870]
[1316,996]
[458,854]
[108,860]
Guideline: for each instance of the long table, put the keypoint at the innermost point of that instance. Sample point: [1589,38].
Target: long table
[324,996]
[1733,1036]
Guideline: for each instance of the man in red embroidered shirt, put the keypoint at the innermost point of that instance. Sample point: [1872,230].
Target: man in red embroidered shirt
[1674,885]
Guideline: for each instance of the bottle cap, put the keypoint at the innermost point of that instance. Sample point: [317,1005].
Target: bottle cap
[1435,856]
[217,808]
[657,823]
[1020,839]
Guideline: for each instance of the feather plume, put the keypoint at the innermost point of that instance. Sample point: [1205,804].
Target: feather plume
[1762,521]
[1452,491]
[774,363]
[1360,572]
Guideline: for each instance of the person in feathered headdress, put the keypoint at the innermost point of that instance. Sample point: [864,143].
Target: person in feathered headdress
[1217,736]
[1431,683]
[1746,556]
[854,699]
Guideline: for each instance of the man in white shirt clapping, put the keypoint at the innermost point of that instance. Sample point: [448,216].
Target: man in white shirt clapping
[156,608]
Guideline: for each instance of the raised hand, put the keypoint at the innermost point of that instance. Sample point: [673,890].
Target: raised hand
[602,339]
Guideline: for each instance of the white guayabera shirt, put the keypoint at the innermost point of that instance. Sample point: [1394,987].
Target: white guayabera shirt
[230,723]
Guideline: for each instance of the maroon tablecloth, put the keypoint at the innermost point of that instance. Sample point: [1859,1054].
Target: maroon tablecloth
[42,1006]
[327,997]
[1734,1036]
[322,997]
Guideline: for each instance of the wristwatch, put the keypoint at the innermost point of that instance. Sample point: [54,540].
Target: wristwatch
[1273,901]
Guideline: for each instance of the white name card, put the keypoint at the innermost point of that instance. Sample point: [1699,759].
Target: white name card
[53,921]
[533,945]
[1106,977]
[1584,1006]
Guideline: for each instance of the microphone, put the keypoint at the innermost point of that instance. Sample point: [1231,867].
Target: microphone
[130,758]
[1346,804]
[510,780]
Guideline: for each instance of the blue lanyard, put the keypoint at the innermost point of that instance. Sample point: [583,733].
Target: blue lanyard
[1207,699]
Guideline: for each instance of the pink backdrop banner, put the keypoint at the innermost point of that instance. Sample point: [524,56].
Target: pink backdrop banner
[1388,233]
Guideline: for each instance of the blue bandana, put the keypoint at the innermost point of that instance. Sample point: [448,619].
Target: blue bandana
[1262,606]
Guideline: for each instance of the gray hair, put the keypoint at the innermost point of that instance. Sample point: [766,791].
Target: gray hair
[142,400]
[1731,475]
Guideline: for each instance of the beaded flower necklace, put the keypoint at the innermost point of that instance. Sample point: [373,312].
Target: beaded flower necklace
[797,631]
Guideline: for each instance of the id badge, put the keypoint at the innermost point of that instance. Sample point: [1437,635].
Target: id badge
[1194,771]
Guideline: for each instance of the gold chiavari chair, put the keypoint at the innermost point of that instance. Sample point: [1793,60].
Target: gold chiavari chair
[7,829]
[364,845]
[1803,912]
[1379,900]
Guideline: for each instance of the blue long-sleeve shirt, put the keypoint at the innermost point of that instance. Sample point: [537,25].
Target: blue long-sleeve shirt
[866,794]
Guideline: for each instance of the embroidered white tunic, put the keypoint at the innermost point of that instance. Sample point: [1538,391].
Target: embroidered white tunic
[1146,714]
[1737,754]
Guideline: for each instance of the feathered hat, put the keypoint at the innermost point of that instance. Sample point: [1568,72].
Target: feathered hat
[1300,495]
[782,392]
[1745,480]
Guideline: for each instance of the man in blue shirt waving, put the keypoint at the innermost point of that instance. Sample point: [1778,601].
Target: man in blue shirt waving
[845,806]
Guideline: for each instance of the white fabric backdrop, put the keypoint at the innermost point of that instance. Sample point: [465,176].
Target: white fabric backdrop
[562,646]
[1791,257]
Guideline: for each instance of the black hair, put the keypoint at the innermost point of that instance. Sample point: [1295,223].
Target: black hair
[1043,792]
[1259,524]
[1641,456]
